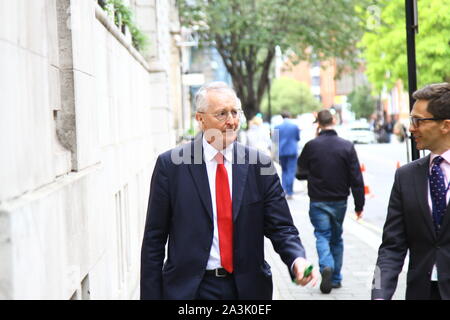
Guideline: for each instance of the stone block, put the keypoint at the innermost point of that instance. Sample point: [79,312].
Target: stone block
[82,18]
[24,121]
[54,88]
[145,3]
[146,19]
[86,120]
[52,33]
[33,26]
[6,270]
[9,16]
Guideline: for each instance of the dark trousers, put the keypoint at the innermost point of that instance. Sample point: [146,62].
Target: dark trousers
[435,294]
[216,288]
[288,167]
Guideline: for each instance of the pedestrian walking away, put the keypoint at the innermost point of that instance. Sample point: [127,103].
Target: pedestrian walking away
[288,138]
[331,167]
[417,217]
[258,136]
[213,201]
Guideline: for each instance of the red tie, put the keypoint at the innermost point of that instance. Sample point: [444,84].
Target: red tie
[224,215]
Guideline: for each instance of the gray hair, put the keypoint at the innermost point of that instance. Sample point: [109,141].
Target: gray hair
[201,97]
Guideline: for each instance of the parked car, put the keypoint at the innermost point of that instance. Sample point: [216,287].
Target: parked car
[361,134]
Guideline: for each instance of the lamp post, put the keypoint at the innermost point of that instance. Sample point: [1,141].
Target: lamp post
[412,27]
[269,111]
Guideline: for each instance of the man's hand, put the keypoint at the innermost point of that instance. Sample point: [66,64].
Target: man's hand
[300,265]
[359,215]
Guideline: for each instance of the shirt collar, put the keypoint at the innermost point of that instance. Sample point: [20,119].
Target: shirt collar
[445,155]
[210,152]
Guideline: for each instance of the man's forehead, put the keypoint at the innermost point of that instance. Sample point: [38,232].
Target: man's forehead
[222,100]
[420,107]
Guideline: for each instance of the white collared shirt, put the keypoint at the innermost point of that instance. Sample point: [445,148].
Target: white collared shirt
[209,152]
[445,166]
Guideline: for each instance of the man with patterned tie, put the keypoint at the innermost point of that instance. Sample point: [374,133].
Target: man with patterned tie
[212,201]
[418,219]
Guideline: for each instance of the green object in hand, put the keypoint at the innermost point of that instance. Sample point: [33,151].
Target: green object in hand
[308,271]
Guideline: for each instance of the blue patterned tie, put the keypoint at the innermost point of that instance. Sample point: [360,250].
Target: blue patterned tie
[438,191]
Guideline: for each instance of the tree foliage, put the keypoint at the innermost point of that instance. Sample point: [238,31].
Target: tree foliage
[362,103]
[287,94]
[246,33]
[384,47]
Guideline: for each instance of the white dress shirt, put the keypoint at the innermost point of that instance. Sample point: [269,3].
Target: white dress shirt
[209,152]
[445,166]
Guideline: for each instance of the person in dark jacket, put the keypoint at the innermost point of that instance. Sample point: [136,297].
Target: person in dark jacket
[331,166]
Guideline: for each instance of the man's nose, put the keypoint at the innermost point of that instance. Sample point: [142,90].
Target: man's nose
[229,119]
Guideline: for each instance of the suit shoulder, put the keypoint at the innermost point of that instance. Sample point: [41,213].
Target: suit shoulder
[413,166]
[176,152]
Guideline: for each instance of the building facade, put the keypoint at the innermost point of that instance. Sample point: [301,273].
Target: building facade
[83,116]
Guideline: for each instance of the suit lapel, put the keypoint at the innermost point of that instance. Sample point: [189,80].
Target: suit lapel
[240,171]
[421,186]
[199,174]
[445,219]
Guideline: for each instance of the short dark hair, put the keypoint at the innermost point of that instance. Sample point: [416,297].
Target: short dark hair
[324,117]
[285,114]
[438,97]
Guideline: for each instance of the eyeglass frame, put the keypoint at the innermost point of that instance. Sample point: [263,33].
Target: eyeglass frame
[217,115]
[415,122]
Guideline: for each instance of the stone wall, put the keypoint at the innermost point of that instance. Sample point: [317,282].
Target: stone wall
[82,118]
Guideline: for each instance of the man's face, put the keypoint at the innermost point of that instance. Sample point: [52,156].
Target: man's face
[220,133]
[429,134]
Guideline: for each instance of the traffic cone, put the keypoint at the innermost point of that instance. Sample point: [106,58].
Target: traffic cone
[367,192]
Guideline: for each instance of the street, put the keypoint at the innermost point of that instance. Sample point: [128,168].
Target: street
[380,161]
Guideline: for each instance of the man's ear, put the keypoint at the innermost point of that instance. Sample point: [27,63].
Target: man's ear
[446,126]
[199,118]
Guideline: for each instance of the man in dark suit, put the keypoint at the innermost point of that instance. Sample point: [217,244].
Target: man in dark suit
[418,217]
[214,200]
[288,135]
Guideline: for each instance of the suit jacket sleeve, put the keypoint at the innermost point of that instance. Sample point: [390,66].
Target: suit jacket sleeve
[393,249]
[278,224]
[356,181]
[155,233]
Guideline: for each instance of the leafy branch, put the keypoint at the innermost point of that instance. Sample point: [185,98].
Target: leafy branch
[123,18]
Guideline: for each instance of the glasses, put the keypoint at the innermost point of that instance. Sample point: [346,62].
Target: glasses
[416,121]
[223,115]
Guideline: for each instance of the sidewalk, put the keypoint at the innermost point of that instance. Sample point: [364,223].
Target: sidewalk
[360,253]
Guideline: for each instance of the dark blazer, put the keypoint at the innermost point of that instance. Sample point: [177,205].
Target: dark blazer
[180,211]
[289,136]
[409,226]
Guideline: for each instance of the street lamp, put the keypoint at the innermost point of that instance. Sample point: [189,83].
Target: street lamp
[412,27]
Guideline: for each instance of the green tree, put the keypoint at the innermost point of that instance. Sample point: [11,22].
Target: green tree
[246,34]
[362,103]
[287,94]
[384,47]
